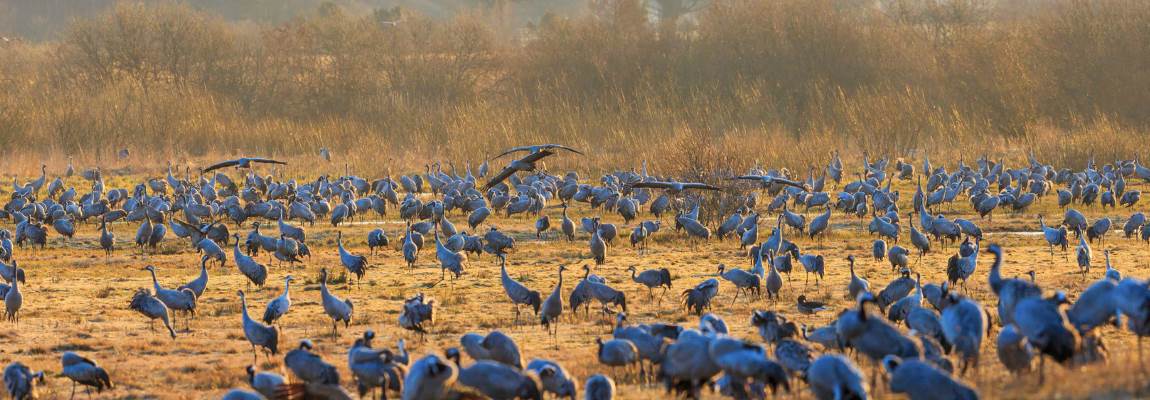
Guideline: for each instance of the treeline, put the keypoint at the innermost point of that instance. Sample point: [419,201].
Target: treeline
[729,84]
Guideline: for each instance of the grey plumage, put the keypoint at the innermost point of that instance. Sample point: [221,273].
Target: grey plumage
[264,382]
[177,300]
[745,362]
[774,280]
[1009,291]
[651,347]
[13,301]
[687,364]
[372,369]
[151,307]
[834,377]
[517,292]
[651,278]
[555,379]
[417,313]
[310,367]
[279,306]
[794,356]
[820,224]
[499,381]
[449,260]
[898,311]
[857,284]
[355,264]
[604,293]
[335,308]
[743,280]
[257,334]
[200,284]
[85,372]
[699,297]
[496,346]
[21,381]
[597,245]
[1013,350]
[599,387]
[895,290]
[1045,325]
[239,163]
[874,337]
[429,378]
[1096,306]
[376,238]
[211,250]
[255,272]
[552,307]
[964,324]
[922,381]
[772,326]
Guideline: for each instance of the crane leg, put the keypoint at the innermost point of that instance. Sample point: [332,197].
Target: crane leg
[1140,362]
[1041,369]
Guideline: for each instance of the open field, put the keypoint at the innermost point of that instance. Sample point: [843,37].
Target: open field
[76,299]
[696,91]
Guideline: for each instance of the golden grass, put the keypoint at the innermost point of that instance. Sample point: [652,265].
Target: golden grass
[76,299]
[756,79]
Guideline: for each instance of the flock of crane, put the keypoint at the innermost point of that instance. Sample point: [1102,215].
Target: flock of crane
[945,329]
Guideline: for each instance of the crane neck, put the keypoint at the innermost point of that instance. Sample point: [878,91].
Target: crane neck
[155,282]
[996,271]
[244,307]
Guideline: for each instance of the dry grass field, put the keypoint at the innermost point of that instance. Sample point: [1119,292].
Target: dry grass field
[694,92]
[77,299]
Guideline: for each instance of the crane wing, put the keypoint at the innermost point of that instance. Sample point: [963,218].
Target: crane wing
[511,150]
[503,174]
[702,186]
[228,163]
[536,156]
[267,161]
[559,146]
[771,179]
[651,184]
[539,148]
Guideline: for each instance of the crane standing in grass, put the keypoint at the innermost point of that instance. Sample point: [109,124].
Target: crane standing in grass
[517,292]
[335,308]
